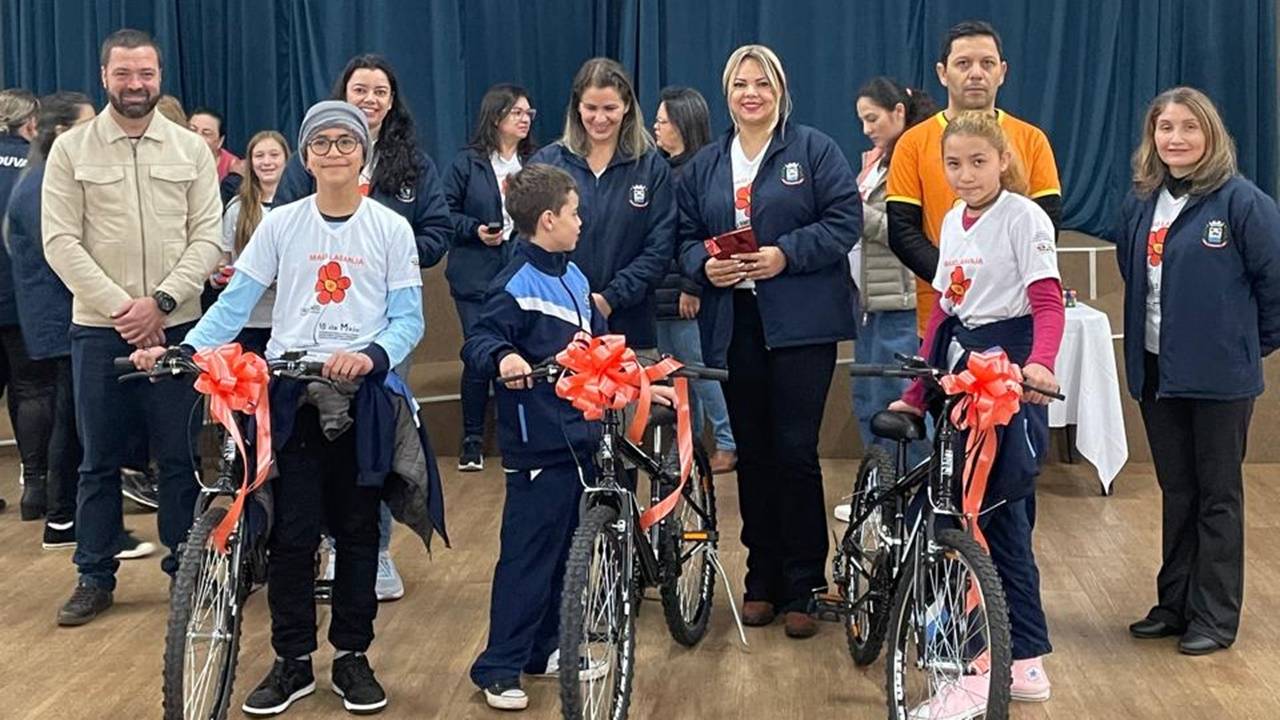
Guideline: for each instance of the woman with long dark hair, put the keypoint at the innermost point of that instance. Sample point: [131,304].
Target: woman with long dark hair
[625,202]
[476,189]
[681,126]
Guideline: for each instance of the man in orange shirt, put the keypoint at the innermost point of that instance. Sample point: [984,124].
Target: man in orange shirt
[972,68]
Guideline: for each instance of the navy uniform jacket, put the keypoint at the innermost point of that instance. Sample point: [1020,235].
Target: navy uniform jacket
[1220,292]
[471,190]
[422,205]
[805,201]
[13,159]
[43,302]
[534,307]
[628,234]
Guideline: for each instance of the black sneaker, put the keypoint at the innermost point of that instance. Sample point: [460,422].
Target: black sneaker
[506,695]
[353,681]
[59,535]
[140,487]
[85,604]
[288,681]
[131,548]
[471,456]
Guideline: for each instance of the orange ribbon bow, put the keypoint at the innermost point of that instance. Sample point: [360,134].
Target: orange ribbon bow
[993,386]
[606,375]
[236,381]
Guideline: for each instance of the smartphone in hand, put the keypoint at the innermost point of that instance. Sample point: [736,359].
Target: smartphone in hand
[493,227]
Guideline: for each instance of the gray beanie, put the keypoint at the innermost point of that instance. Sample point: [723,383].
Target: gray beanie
[328,114]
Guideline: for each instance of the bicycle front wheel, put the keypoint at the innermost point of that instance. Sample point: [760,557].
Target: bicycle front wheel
[203,637]
[949,652]
[863,575]
[597,622]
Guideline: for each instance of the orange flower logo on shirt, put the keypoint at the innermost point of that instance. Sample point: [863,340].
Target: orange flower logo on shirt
[957,286]
[1155,246]
[742,200]
[333,285]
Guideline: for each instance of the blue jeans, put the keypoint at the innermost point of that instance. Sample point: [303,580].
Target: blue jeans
[680,339]
[880,335]
[475,388]
[108,415]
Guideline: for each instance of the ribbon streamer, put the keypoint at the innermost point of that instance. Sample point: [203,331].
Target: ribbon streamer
[236,382]
[993,389]
[606,375]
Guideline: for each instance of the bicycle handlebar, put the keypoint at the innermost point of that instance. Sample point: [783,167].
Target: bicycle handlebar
[913,369]
[550,368]
[291,366]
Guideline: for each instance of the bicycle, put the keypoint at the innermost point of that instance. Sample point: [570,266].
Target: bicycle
[202,639]
[931,591]
[612,560]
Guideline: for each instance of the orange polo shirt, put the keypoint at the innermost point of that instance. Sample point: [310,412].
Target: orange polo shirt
[916,176]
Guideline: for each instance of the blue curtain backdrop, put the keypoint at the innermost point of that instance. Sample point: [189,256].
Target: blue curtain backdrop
[1083,71]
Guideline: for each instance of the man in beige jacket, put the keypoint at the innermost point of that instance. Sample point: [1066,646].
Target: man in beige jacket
[130,216]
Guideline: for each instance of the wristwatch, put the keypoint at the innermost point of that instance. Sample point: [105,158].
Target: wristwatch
[164,301]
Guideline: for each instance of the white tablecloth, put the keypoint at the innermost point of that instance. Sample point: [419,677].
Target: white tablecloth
[1086,369]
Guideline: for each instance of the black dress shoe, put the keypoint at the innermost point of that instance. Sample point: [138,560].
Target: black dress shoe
[1193,643]
[1148,629]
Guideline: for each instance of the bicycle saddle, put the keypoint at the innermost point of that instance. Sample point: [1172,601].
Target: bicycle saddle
[897,426]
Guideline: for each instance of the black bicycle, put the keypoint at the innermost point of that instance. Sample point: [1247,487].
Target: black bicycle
[612,559]
[904,569]
[206,599]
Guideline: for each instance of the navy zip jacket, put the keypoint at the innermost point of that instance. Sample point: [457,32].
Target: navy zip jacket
[674,282]
[628,234]
[534,307]
[805,201]
[13,159]
[1220,292]
[471,190]
[43,302]
[422,205]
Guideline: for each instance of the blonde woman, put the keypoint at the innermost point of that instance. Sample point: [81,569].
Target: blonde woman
[626,204]
[773,317]
[1193,352]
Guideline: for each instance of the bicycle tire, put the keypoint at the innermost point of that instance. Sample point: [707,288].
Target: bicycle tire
[905,630]
[687,605]
[594,572]
[194,568]
[876,471]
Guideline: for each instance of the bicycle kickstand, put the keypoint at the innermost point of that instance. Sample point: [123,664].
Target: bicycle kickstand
[714,557]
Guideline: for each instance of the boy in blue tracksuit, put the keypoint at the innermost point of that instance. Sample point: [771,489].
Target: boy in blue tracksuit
[533,309]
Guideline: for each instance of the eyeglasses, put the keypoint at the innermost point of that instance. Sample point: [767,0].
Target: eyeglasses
[345,144]
[519,112]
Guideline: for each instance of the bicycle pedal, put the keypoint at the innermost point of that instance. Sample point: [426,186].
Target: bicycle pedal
[829,607]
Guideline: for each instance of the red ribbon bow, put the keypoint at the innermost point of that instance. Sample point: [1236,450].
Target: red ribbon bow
[606,375]
[993,386]
[236,382]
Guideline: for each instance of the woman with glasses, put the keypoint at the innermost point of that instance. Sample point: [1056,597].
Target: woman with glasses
[625,202]
[476,189]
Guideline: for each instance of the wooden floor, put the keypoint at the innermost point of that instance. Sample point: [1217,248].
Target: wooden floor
[1097,557]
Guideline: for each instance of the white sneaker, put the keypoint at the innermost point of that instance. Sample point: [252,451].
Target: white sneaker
[131,548]
[506,696]
[843,512]
[390,586]
[598,668]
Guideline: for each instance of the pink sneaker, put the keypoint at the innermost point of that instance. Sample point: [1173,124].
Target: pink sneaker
[957,701]
[1030,683]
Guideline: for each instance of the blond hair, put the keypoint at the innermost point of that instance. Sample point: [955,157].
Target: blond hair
[976,123]
[250,193]
[1215,167]
[17,107]
[633,139]
[171,107]
[773,71]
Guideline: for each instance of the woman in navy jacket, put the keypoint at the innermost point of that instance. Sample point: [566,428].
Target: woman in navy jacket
[1199,251]
[625,198]
[400,176]
[773,317]
[475,188]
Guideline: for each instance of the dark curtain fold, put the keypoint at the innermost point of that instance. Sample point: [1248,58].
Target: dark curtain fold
[1082,71]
